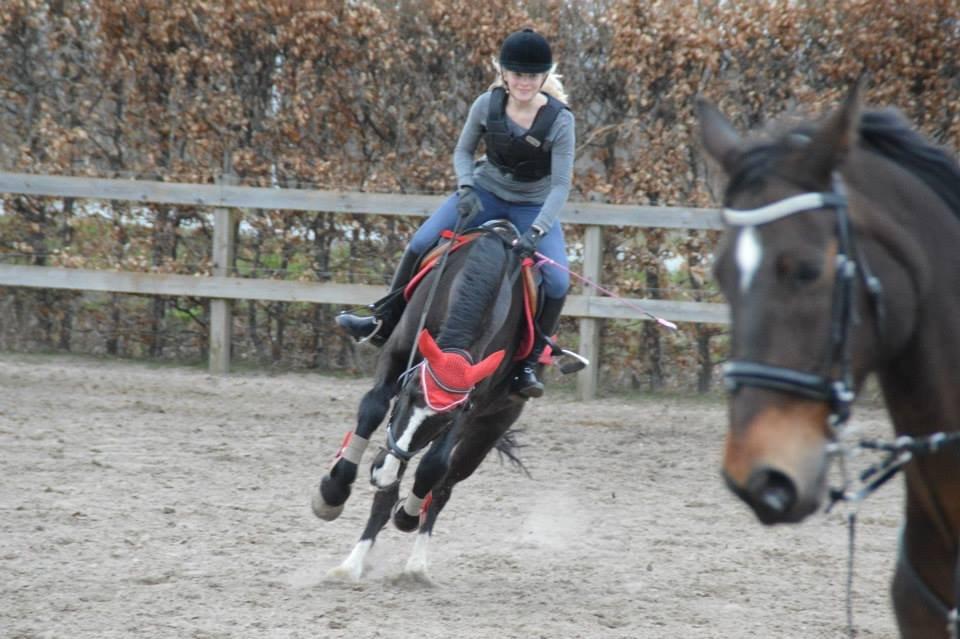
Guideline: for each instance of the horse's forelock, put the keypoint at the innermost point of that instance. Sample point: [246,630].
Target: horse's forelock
[774,155]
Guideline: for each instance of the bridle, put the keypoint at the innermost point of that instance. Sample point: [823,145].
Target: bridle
[393,447]
[838,391]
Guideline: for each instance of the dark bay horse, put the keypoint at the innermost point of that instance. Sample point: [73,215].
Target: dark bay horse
[455,399]
[841,258]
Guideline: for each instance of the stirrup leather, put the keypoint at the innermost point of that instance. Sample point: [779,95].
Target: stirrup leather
[379,325]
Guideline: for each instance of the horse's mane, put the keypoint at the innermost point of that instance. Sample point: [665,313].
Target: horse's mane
[884,132]
[476,289]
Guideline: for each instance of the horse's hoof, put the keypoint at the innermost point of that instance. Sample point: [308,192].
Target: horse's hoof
[354,565]
[403,521]
[329,499]
[418,577]
[416,569]
[322,508]
[345,572]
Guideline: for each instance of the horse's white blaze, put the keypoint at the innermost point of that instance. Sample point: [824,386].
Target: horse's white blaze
[388,472]
[352,566]
[749,255]
[417,563]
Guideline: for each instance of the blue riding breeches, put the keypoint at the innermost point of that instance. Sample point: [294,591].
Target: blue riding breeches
[556,281]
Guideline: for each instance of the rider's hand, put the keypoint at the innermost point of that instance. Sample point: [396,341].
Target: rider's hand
[469,206]
[526,244]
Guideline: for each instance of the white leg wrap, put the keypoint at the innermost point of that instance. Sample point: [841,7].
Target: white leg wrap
[355,447]
[413,504]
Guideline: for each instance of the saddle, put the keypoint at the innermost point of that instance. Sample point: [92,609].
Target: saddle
[507,232]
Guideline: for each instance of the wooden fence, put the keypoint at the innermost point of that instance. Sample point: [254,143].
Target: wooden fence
[227,200]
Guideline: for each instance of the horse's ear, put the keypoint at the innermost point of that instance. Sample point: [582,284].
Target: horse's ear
[718,136]
[834,139]
[428,347]
[485,367]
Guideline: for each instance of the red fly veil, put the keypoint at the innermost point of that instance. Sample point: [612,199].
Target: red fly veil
[449,376]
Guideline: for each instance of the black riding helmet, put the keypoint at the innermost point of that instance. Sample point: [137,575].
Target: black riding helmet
[526,51]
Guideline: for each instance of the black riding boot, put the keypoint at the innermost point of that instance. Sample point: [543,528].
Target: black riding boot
[387,310]
[525,380]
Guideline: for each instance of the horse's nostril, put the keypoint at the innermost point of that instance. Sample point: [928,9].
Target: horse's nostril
[777,499]
[772,493]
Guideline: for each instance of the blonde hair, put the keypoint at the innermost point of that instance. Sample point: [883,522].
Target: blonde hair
[551,86]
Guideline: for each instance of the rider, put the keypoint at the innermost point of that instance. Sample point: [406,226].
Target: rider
[529,135]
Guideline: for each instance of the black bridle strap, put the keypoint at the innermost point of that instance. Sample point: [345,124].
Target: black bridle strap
[394,448]
[809,385]
[875,294]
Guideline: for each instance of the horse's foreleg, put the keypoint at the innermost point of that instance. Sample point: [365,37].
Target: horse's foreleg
[417,563]
[334,488]
[353,566]
[925,578]
[432,468]
[463,457]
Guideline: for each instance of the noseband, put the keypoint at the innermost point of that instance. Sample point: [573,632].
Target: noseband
[409,377]
[837,391]
[392,446]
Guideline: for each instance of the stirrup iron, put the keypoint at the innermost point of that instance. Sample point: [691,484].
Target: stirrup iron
[578,363]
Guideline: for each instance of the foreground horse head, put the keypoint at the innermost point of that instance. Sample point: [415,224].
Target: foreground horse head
[791,305]
[840,259]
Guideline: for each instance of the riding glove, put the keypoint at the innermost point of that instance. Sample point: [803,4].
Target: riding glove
[526,244]
[469,206]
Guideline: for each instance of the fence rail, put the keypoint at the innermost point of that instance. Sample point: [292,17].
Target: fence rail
[225,197]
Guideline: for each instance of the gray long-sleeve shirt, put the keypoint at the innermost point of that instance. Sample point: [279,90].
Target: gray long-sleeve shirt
[551,190]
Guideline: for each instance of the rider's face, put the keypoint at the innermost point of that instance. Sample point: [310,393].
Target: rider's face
[523,86]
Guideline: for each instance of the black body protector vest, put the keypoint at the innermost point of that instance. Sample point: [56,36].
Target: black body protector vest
[524,158]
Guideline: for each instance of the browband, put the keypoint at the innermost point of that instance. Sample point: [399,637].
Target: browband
[777,210]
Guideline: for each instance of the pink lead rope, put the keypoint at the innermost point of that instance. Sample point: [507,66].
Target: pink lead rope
[624,301]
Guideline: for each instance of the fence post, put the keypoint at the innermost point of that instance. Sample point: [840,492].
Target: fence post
[588,378]
[221,310]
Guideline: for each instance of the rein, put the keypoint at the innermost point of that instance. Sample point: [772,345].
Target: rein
[441,264]
[899,453]
[392,446]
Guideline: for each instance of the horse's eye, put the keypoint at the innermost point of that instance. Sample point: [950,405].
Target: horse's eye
[807,272]
[797,271]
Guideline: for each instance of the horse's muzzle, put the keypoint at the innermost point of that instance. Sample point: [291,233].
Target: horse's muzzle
[772,495]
